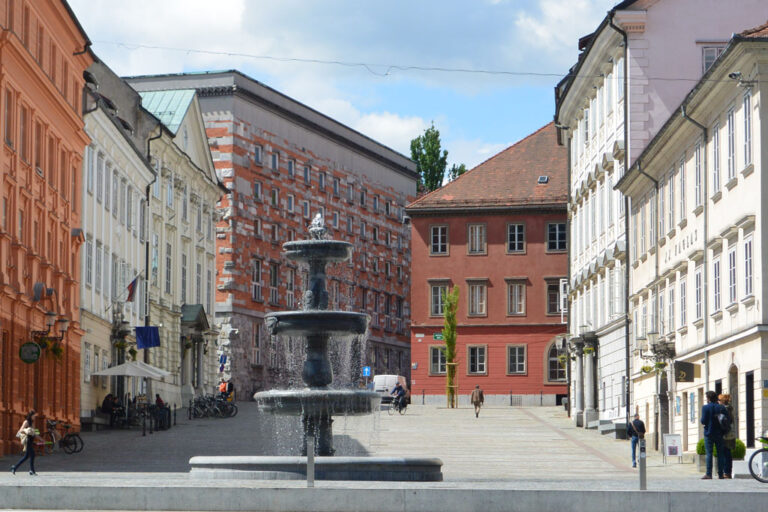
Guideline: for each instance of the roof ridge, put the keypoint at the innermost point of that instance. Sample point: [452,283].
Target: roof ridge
[751,31]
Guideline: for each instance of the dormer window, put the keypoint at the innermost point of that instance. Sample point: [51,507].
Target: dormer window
[543,180]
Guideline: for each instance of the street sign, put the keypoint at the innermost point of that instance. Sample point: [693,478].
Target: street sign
[437,336]
[366,371]
[29,352]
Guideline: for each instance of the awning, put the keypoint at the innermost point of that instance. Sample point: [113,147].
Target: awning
[134,369]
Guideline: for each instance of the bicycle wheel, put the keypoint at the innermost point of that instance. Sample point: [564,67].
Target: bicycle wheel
[79,443]
[402,409]
[232,410]
[391,408]
[758,465]
[49,442]
[67,444]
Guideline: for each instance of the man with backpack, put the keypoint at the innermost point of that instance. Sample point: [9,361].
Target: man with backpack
[635,431]
[716,423]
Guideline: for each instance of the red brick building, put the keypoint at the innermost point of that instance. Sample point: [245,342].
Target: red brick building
[282,163]
[43,53]
[498,232]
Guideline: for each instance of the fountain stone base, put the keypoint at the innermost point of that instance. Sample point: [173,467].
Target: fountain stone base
[394,469]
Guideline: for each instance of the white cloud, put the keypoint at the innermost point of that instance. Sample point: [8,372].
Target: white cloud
[472,152]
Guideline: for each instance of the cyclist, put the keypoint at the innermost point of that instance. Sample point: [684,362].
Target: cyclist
[399,395]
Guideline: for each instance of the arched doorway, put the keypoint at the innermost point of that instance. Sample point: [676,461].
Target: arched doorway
[733,390]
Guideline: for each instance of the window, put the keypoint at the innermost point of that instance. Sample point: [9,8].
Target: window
[476,239]
[477,359]
[336,187]
[257,154]
[291,168]
[24,135]
[682,188]
[556,237]
[289,202]
[516,297]
[748,267]
[716,158]
[437,361]
[350,193]
[349,225]
[731,144]
[556,370]
[362,229]
[683,302]
[275,160]
[747,128]
[439,240]
[516,359]
[256,347]
[97,270]
[305,208]
[107,184]
[257,190]
[8,117]
[307,175]
[697,175]
[168,194]
[88,261]
[184,203]
[375,203]
[709,54]
[620,79]
[716,282]
[183,277]
[732,275]
[256,280]
[87,363]
[363,197]
[671,306]
[168,266]
[198,283]
[477,298]
[321,181]
[697,292]
[662,212]
[553,297]
[275,197]
[274,282]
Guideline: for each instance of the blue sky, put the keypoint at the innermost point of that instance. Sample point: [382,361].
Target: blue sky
[478,114]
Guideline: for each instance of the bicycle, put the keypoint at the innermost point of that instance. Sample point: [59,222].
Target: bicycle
[70,442]
[399,405]
[758,462]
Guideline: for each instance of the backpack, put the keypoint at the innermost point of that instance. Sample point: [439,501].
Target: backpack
[723,421]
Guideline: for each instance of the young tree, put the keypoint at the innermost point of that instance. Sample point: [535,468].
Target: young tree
[456,171]
[450,305]
[430,160]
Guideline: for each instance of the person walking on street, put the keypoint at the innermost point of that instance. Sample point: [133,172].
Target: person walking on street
[27,436]
[729,438]
[713,434]
[477,399]
[635,431]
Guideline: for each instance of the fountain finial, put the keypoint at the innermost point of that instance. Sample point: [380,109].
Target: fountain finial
[317,229]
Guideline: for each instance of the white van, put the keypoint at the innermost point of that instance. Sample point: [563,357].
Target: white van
[384,384]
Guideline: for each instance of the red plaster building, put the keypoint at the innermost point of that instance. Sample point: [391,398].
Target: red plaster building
[498,232]
[43,53]
[282,163]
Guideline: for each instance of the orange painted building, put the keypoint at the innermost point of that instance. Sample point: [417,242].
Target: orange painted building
[43,53]
[498,232]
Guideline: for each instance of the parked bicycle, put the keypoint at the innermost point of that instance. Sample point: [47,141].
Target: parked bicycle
[211,406]
[53,440]
[758,462]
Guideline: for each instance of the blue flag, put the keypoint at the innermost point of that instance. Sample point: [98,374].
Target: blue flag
[147,337]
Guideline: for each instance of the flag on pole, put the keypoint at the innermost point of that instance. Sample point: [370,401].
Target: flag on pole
[132,289]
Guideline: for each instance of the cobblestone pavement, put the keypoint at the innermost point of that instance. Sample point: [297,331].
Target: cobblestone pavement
[516,448]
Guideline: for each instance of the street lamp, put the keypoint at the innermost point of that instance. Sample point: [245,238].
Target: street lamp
[43,337]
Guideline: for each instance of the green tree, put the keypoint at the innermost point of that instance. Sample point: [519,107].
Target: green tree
[450,305]
[456,171]
[430,160]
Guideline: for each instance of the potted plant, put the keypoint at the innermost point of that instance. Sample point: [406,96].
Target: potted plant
[646,369]
[132,352]
[737,453]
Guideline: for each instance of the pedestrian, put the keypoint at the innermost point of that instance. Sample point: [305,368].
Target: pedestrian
[26,435]
[223,388]
[230,390]
[729,438]
[713,434]
[477,399]
[635,432]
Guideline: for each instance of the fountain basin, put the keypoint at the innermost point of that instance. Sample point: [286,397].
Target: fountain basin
[305,323]
[316,402]
[318,250]
[400,469]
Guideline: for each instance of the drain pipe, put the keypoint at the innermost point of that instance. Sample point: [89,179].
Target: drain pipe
[627,331]
[705,261]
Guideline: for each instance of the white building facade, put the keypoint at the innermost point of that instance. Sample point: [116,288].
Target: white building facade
[608,108]
[698,223]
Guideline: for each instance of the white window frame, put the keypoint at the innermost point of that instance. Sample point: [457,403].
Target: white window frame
[516,297]
[518,366]
[477,298]
[439,247]
[515,238]
[476,239]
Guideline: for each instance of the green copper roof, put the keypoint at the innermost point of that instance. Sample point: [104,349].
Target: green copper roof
[168,106]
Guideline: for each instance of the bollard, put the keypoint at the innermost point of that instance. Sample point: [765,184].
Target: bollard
[144,426]
[642,464]
[174,415]
[189,410]
[422,397]
[150,423]
[510,397]
[310,460]
[541,398]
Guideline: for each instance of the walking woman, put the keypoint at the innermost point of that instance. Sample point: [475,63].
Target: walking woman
[27,436]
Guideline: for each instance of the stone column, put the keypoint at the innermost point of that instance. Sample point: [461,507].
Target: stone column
[590,409]
[578,382]
[199,374]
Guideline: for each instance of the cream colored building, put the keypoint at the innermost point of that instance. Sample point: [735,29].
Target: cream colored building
[181,247]
[697,223]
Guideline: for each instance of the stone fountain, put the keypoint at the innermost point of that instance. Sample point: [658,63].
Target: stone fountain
[317,404]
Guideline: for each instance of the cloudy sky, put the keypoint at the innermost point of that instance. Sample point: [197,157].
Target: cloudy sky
[365,63]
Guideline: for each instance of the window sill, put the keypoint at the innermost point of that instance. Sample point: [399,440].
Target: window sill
[556,251]
[652,250]
[682,223]
[436,254]
[477,254]
[682,331]
[717,196]
[478,315]
[731,183]
[717,315]
[644,257]
[516,315]
[671,233]
[698,323]
[749,300]
[662,242]
[697,211]
[635,263]
[748,170]
[516,253]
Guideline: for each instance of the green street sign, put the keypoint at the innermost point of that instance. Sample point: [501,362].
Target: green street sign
[29,352]
[437,336]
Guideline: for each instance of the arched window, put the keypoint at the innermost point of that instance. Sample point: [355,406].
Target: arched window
[556,370]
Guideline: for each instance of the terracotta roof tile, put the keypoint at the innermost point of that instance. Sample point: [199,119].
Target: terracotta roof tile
[509,178]
[761,31]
